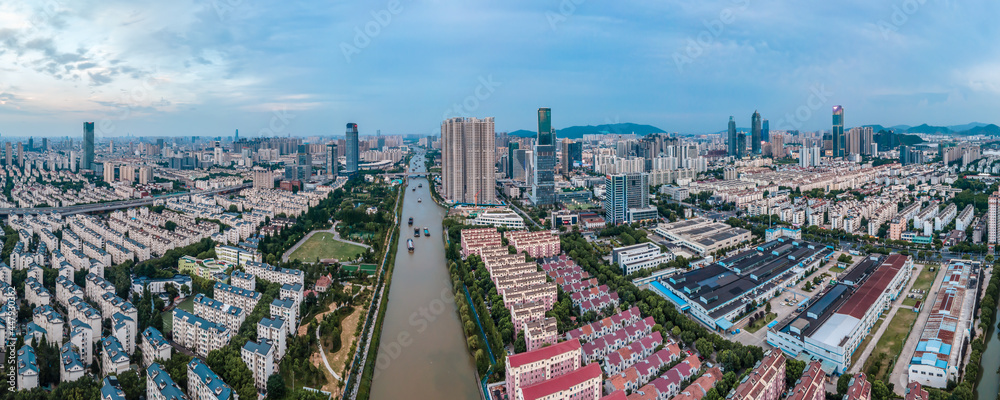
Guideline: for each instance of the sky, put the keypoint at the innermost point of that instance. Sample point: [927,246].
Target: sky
[270,68]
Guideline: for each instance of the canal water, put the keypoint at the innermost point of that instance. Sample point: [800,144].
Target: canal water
[422,352]
[989,381]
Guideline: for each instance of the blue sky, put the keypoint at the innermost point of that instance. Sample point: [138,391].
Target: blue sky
[208,67]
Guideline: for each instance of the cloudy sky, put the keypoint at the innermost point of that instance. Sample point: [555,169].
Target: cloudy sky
[208,67]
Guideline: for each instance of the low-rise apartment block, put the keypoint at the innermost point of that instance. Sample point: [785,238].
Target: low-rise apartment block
[198,334]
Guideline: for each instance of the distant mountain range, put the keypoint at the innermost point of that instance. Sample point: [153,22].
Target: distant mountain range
[970,129]
[577,132]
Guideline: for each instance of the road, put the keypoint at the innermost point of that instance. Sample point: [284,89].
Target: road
[83,208]
[899,373]
[893,308]
[518,210]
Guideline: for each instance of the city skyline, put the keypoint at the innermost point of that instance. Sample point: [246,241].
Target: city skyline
[142,80]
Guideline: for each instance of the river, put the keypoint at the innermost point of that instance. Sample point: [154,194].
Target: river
[422,352]
[989,382]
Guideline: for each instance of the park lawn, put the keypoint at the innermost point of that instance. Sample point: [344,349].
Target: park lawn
[760,323]
[890,345]
[322,246]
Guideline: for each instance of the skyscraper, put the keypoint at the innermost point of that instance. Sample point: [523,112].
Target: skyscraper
[9,152]
[765,132]
[331,159]
[352,148]
[741,145]
[543,184]
[87,162]
[512,147]
[867,139]
[567,158]
[468,148]
[837,135]
[853,141]
[731,139]
[575,153]
[993,218]
[626,198]
[304,160]
[755,133]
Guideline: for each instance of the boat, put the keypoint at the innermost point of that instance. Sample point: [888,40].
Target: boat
[409,244]
[419,199]
[426,232]
[416,232]
[420,185]
[411,221]
[414,189]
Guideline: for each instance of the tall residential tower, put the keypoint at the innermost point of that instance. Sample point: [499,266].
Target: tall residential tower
[468,147]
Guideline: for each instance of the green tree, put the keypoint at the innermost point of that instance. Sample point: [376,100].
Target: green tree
[842,384]
[704,347]
[132,385]
[793,371]
[275,387]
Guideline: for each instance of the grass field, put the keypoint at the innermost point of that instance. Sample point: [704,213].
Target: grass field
[760,323]
[924,282]
[836,270]
[322,245]
[168,317]
[926,278]
[890,345]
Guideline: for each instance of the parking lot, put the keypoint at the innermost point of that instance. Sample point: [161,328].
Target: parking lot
[786,304]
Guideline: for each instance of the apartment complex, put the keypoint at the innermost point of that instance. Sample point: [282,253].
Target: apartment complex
[468,147]
[198,334]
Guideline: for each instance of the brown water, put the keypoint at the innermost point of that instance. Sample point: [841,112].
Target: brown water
[422,351]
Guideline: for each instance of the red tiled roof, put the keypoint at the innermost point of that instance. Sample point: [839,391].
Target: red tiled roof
[591,371]
[518,360]
[873,287]
[616,395]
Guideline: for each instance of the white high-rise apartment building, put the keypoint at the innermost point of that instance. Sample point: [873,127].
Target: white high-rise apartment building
[993,217]
[468,154]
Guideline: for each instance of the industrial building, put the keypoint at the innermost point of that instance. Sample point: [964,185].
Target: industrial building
[945,335]
[723,291]
[833,324]
[702,235]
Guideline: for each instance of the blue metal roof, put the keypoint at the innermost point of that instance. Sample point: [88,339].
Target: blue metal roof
[657,286]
